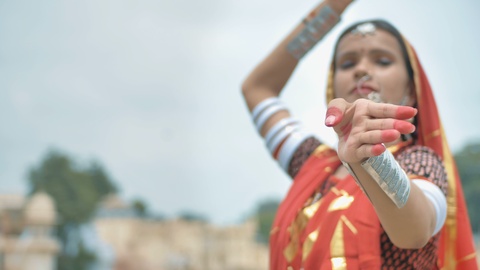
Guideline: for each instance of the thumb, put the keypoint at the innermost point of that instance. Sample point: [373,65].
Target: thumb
[335,111]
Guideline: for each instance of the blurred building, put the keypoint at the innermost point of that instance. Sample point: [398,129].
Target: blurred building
[143,243]
[26,240]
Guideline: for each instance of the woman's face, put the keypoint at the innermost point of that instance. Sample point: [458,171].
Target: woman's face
[377,55]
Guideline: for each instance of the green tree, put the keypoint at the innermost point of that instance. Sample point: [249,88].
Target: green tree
[468,162]
[192,216]
[265,214]
[76,192]
[140,207]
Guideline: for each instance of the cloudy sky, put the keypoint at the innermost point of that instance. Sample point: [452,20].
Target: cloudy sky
[152,89]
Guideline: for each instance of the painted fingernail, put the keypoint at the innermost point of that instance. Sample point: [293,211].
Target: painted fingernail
[334,115]
[404,127]
[390,135]
[405,112]
[330,120]
[378,149]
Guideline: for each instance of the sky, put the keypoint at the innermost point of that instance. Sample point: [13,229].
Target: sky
[151,89]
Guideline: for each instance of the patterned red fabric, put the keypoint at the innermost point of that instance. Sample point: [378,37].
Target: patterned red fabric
[311,176]
[302,153]
[423,162]
[396,258]
[362,250]
[416,160]
[456,249]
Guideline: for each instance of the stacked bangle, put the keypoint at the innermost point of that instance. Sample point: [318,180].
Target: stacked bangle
[266,109]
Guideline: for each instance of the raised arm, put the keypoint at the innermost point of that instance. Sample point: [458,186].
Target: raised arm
[270,76]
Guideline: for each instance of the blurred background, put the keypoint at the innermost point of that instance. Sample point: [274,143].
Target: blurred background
[126,143]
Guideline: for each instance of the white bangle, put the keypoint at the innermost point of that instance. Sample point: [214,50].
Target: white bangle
[282,135]
[279,126]
[260,107]
[267,113]
[290,145]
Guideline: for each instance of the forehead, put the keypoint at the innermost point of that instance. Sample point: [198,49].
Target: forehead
[380,39]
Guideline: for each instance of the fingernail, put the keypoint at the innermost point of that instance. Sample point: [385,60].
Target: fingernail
[330,120]
[378,149]
[405,112]
[404,127]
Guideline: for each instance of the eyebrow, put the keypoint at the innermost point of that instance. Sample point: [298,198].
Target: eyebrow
[373,51]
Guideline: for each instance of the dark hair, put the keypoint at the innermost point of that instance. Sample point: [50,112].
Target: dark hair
[384,25]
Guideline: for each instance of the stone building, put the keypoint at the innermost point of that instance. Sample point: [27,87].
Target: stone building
[141,243]
[26,240]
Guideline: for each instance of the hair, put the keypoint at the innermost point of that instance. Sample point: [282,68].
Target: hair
[386,26]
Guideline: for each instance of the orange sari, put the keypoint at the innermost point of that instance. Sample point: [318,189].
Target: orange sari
[341,230]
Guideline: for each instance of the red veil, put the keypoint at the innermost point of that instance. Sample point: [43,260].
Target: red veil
[456,250]
[293,234]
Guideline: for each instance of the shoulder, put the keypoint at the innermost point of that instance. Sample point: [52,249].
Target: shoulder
[416,152]
[423,162]
[419,156]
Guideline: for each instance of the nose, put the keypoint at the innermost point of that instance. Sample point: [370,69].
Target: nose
[362,69]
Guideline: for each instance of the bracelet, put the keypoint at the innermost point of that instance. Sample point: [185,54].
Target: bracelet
[290,145]
[276,129]
[352,173]
[267,113]
[313,32]
[389,176]
[260,107]
[281,136]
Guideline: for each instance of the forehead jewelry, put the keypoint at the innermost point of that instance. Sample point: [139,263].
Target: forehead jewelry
[364,29]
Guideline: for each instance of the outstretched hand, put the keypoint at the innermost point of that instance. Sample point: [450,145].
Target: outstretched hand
[364,126]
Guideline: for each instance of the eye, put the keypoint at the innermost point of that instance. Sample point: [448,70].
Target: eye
[346,64]
[384,61]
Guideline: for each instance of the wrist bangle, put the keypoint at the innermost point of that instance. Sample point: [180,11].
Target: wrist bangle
[389,176]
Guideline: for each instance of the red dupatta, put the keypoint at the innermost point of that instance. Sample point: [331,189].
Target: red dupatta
[456,250]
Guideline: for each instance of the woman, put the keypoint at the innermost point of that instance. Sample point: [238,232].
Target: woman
[363,206]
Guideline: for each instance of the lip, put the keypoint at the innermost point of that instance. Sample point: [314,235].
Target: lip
[364,89]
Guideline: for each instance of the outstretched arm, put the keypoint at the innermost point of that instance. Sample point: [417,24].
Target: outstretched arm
[409,213]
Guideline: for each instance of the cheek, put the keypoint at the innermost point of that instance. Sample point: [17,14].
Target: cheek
[340,88]
[395,83]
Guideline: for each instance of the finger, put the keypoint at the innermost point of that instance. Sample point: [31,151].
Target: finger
[378,136]
[335,111]
[383,110]
[369,150]
[405,112]
[404,127]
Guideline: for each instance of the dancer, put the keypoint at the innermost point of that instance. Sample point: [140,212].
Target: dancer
[389,195]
